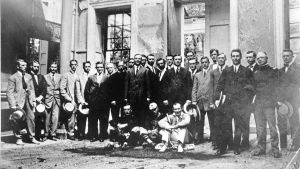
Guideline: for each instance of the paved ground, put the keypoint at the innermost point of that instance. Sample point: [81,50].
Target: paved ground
[83,154]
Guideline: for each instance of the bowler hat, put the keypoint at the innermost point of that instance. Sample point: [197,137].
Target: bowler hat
[18,114]
[285,109]
[84,109]
[68,107]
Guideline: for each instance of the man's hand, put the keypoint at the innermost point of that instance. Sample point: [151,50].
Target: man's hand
[148,99]
[194,103]
[73,102]
[113,103]
[125,100]
[212,106]
[34,104]
[165,102]
[188,101]
[14,107]
[217,102]
[39,99]
[279,103]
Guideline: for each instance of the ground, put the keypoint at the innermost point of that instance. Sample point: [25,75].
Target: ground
[84,154]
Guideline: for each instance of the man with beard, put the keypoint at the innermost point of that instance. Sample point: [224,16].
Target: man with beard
[81,118]
[153,76]
[52,101]
[236,85]
[39,89]
[70,92]
[177,86]
[136,89]
[130,63]
[117,90]
[97,97]
[265,101]
[20,95]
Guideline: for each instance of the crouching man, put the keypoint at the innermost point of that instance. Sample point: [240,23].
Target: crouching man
[174,128]
[120,130]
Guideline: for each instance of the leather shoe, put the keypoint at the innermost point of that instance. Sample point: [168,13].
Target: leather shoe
[219,152]
[71,137]
[93,140]
[237,152]
[257,152]
[101,139]
[53,138]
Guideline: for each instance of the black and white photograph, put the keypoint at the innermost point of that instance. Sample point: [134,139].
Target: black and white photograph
[143,84]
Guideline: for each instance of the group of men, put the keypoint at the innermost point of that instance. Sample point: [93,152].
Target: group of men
[146,101]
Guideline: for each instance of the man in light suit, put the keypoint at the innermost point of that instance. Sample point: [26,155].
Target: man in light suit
[201,94]
[52,101]
[96,94]
[39,89]
[20,94]
[223,124]
[136,89]
[70,92]
[81,119]
[236,83]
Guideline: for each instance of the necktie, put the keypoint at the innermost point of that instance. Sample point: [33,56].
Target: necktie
[235,69]
[177,70]
[204,73]
[221,69]
[286,68]
[137,69]
[52,77]
[23,82]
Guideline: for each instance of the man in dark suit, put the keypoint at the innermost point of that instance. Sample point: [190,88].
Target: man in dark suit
[39,88]
[117,90]
[20,94]
[96,94]
[136,89]
[223,122]
[289,84]
[161,65]
[214,53]
[170,61]
[178,84]
[236,85]
[52,101]
[153,76]
[251,59]
[265,101]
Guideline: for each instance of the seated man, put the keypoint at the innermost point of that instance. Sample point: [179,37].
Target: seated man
[150,134]
[120,131]
[174,128]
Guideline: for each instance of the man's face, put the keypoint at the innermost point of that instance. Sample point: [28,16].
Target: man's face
[22,66]
[287,57]
[53,68]
[169,60]
[189,55]
[151,60]
[35,67]
[177,109]
[213,56]
[127,110]
[73,66]
[130,63]
[177,60]
[262,58]
[99,68]
[250,58]
[120,66]
[110,69]
[87,68]
[137,60]
[192,64]
[205,63]
[160,64]
[221,59]
[143,60]
[236,58]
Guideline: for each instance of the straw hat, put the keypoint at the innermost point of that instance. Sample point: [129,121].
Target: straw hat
[68,107]
[84,109]
[286,109]
[40,108]
[18,114]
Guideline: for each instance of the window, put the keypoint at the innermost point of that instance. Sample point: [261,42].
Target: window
[118,37]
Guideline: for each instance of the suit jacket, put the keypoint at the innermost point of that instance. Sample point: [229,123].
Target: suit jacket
[39,85]
[238,87]
[83,79]
[16,95]
[116,82]
[201,88]
[97,94]
[70,88]
[137,87]
[215,75]
[266,81]
[289,83]
[177,87]
[154,82]
[52,93]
